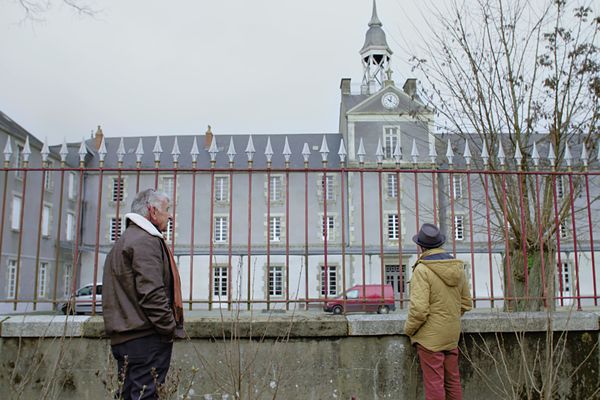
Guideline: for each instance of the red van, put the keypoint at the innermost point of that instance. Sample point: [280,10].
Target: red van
[363,298]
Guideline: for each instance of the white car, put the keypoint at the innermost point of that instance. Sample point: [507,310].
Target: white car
[83,300]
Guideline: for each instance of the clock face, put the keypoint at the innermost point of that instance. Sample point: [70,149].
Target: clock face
[390,100]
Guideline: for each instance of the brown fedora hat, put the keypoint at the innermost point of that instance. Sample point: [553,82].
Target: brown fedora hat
[429,236]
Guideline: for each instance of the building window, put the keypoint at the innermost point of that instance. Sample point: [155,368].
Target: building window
[19,161]
[48,182]
[16,213]
[327,191]
[563,231]
[457,188]
[67,278]
[220,229]
[329,288]
[392,226]
[222,188]
[275,229]
[276,281]
[46,221]
[328,227]
[560,187]
[118,188]
[169,232]
[71,187]
[70,232]
[11,291]
[42,279]
[220,281]
[395,278]
[459,227]
[391,138]
[168,186]
[276,189]
[115,229]
[392,185]
[566,278]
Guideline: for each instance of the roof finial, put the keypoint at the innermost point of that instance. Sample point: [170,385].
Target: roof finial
[374,18]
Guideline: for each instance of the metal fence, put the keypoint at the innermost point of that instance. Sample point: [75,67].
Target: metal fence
[299,236]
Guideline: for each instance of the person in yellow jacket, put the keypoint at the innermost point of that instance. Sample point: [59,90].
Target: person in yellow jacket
[439,296]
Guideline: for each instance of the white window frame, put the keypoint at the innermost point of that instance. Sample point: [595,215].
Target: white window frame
[222,188]
[114,235]
[459,227]
[275,228]
[566,278]
[17,204]
[115,190]
[276,189]
[46,220]
[560,187]
[169,233]
[457,186]
[327,187]
[168,186]
[48,181]
[220,285]
[42,280]
[563,230]
[71,186]
[328,227]
[70,230]
[11,279]
[391,183]
[68,275]
[391,136]
[19,161]
[331,280]
[221,225]
[276,281]
[393,226]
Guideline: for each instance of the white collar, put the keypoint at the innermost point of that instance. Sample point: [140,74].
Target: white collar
[143,223]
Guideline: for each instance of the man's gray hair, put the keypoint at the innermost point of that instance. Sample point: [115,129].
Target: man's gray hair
[145,198]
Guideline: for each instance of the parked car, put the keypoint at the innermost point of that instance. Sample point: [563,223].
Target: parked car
[82,302]
[363,298]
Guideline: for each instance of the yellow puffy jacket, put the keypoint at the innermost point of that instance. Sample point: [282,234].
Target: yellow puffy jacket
[439,295]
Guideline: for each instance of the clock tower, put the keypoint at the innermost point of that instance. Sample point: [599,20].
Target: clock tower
[375,54]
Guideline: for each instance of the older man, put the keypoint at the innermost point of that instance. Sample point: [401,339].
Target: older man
[142,304]
[439,295]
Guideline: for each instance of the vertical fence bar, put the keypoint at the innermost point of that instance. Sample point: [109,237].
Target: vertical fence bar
[306,234]
[507,267]
[97,240]
[39,241]
[325,230]
[416,177]
[541,238]
[343,227]
[249,234]
[589,215]
[489,236]
[452,212]
[400,247]
[230,244]
[78,233]
[379,184]
[362,228]
[470,200]
[520,178]
[287,238]
[268,272]
[557,232]
[2,217]
[574,227]
[434,186]
[58,233]
[192,234]
[20,245]
[174,220]
[211,216]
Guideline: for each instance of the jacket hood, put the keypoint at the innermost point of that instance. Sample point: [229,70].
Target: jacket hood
[449,271]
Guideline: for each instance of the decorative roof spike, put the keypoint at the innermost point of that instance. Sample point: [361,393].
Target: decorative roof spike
[45,151]
[518,154]
[157,149]
[342,151]
[26,150]
[535,155]
[102,150]
[551,155]
[467,154]
[194,151]
[568,157]
[379,152]
[305,152]
[584,155]
[287,152]
[269,150]
[83,150]
[397,152]
[213,149]
[361,152]
[324,150]
[414,153]
[450,153]
[250,149]
[501,155]
[433,152]
[485,156]
[231,150]
[139,151]
[175,152]
[121,151]
[7,150]
[64,151]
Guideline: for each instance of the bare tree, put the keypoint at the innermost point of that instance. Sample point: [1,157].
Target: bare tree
[504,72]
[35,9]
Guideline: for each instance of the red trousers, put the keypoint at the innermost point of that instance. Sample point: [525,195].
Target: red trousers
[441,378]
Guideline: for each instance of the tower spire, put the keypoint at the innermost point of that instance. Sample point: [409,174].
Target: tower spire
[375,55]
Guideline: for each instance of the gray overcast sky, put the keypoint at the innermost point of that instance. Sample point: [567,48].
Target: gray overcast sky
[172,67]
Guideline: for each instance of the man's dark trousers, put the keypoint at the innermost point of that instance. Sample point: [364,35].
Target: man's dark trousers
[143,355]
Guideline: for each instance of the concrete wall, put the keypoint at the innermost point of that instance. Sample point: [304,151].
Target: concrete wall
[301,356]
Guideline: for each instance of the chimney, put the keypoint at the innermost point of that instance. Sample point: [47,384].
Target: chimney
[345,86]
[208,138]
[410,87]
[99,136]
